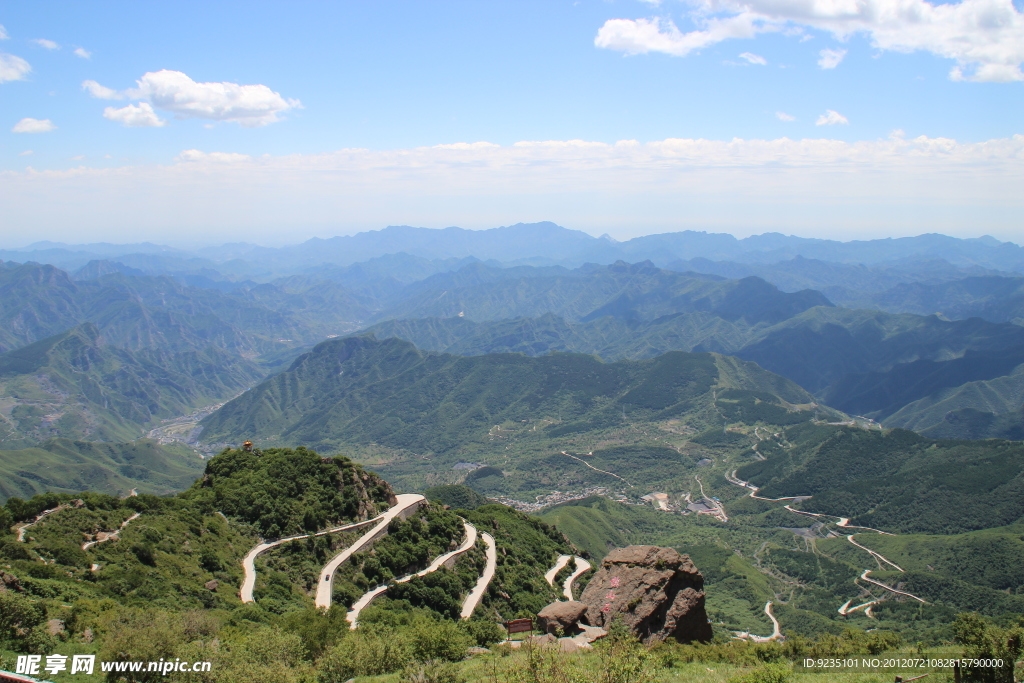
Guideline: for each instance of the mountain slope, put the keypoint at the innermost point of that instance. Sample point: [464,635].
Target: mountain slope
[66,466]
[897,480]
[631,292]
[76,385]
[361,390]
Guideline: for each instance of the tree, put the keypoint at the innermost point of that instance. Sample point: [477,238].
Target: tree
[985,641]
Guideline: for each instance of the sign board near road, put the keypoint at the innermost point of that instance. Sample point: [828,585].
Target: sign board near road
[519,626]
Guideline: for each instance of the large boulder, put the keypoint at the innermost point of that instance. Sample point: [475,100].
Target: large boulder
[656,592]
[560,615]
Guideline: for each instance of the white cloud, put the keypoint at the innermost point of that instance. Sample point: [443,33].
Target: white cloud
[831,118]
[984,37]
[135,116]
[889,186]
[641,36]
[28,125]
[101,92]
[48,44]
[783,116]
[195,155]
[248,105]
[175,92]
[13,68]
[829,59]
[26,153]
[77,157]
[754,59]
[3,33]
[83,53]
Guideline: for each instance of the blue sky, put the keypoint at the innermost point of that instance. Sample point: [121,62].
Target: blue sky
[274,122]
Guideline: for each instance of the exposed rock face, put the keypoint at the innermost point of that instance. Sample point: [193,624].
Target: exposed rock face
[560,615]
[9,582]
[656,592]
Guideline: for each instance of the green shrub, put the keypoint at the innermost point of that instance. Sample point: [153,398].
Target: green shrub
[483,632]
[433,672]
[438,640]
[768,673]
[364,653]
[982,640]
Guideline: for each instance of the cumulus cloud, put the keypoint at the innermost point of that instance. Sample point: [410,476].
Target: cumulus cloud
[641,36]
[248,105]
[831,118]
[28,125]
[48,44]
[83,53]
[174,92]
[134,116]
[13,68]
[829,59]
[754,59]
[26,153]
[783,116]
[101,92]
[984,37]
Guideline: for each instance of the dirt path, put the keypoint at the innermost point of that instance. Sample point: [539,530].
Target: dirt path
[843,522]
[581,567]
[353,615]
[864,576]
[475,595]
[550,574]
[719,508]
[113,534]
[878,556]
[776,631]
[38,518]
[610,474]
[733,479]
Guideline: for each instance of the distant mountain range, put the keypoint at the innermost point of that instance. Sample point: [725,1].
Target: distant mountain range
[925,333]
[538,243]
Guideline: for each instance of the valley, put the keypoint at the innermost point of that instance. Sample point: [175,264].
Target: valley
[521,421]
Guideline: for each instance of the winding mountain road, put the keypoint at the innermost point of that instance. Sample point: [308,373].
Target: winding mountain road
[846,609]
[325,586]
[581,567]
[550,574]
[23,528]
[864,576]
[359,605]
[843,522]
[776,631]
[249,561]
[477,593]
[113,534]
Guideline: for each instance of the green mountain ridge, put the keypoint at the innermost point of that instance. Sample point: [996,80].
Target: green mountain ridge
[67,466]
[360,390]
[77,386]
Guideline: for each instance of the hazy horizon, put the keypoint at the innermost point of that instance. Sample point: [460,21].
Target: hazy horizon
[186,246]
[272,124]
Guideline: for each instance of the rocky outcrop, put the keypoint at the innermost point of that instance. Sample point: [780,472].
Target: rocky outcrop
[560,617]
[9,582]
[656,592]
